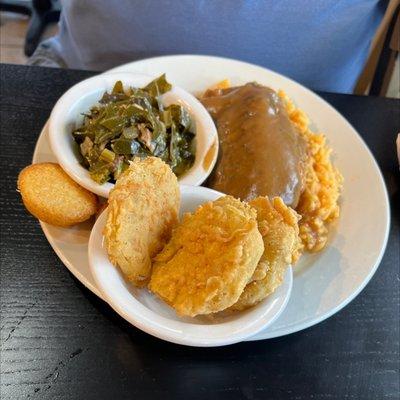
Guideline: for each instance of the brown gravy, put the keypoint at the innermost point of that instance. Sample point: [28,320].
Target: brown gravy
[260,151]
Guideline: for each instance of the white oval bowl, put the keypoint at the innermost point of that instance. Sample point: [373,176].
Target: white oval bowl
[67,115]
[150,314]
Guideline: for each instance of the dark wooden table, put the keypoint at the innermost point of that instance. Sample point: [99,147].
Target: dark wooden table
[59,341]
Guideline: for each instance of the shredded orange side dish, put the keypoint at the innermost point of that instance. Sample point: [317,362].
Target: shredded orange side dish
[224,84]
[318,204]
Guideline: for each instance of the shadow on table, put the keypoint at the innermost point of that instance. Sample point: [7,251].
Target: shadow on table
[141,338]
[248,369]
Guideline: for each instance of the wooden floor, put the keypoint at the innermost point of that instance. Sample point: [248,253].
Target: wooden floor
[12,36]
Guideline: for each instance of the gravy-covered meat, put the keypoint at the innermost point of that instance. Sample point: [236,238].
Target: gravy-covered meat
[261,154]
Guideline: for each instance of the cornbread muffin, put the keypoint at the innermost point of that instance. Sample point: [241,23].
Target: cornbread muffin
[278,225]
[52,196]
[142,210]
[210,258]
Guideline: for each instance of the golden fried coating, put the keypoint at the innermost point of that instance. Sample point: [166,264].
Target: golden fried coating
[52,196]
[142,210]
[278,225]
[211,256]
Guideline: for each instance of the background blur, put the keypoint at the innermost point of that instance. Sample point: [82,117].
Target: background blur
[31,22]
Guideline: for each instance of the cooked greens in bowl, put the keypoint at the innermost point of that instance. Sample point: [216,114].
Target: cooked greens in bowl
[133,122]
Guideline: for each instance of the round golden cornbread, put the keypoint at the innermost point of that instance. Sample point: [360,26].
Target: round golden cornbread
[278,225]
[210,258]
[142,210]
[52,196]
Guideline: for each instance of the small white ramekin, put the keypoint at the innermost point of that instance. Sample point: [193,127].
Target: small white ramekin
[67,115]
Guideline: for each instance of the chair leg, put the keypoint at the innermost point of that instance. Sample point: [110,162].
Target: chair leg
[386,58]
[36,27]
[41,5]
[42,14]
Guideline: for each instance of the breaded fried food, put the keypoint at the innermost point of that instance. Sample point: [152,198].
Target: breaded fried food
[142,210]
[52,196]
[210,258]
[278,225]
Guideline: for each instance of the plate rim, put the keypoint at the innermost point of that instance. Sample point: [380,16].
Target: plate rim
[291,328]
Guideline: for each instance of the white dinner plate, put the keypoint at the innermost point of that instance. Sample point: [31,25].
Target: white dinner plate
[323,283]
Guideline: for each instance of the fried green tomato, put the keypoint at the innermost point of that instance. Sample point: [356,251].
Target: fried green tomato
[210,258]
[142,211]
[278,225]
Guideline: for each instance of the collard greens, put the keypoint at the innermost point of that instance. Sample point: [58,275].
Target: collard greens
[133,123]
